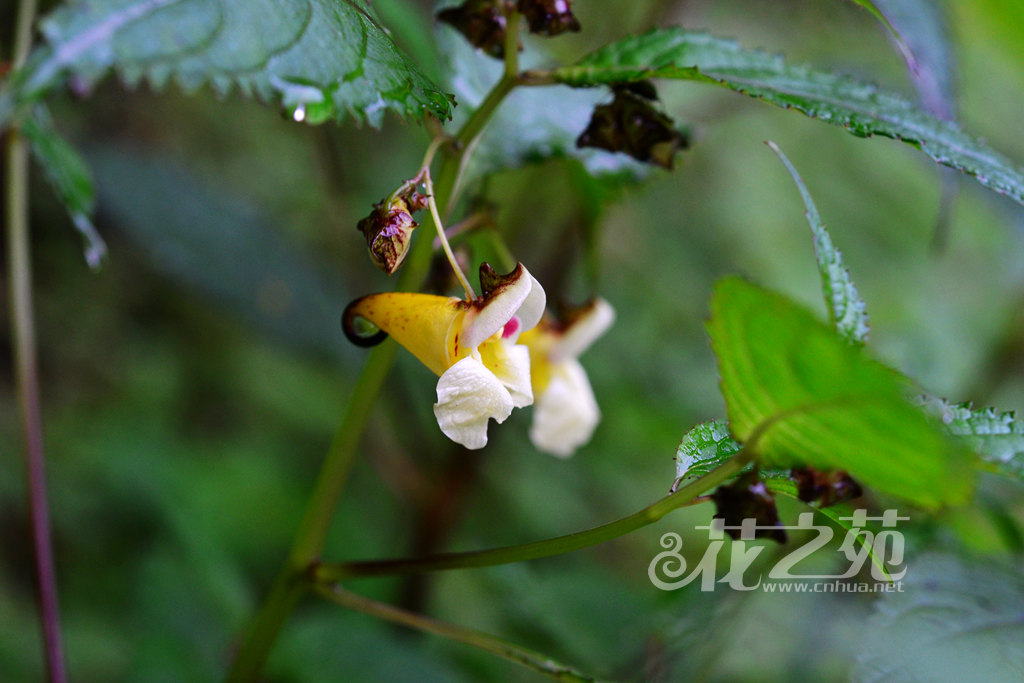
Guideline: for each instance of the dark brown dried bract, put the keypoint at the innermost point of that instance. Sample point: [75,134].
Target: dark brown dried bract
[388,232]
[491,280]
[632,125]
[748,498]
[825,488]
[549,17]
[482,22]
[566,314]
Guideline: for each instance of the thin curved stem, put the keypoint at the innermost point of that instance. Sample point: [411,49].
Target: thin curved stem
[540,663]
[19,260]
[687,495]
[511,46]
[27,387]
[467,138]
[428,183]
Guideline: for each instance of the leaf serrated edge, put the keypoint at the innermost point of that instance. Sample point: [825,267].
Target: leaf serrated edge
[24,87]
[998,437]
[847,311]
[991,169]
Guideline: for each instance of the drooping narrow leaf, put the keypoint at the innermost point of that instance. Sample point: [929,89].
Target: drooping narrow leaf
[805,397]
[921,25]
[860,108]
[220,247]
[905,50]
[997,437]
[321,59]
[846,310]
[70,178]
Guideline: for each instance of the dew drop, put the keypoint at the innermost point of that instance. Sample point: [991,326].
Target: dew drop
[300,113]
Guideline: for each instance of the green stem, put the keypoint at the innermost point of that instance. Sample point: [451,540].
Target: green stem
[333,572]
[467,138]
[502,648]
[19,262]
[291,582]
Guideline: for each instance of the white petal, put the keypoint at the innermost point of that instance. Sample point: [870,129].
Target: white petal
[511,365]
[519,292]
[584,331]
[566,413]
[468,395]
[532,310]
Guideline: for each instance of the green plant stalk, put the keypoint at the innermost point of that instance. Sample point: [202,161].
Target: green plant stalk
[502,648]
[467,138]
[19,266]
[332,572]
[292,582]
[27,387]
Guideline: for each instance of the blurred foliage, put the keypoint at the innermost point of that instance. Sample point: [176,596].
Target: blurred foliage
[191,387]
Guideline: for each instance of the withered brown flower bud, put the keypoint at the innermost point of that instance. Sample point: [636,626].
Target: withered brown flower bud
[748,498]
[632,125]
[549,17]
[826,488]
[482,22]
[388,231]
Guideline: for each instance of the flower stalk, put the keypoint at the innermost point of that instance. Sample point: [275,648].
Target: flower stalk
[428,183]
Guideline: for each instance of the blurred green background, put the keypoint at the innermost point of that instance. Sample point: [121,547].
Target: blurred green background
[190,389]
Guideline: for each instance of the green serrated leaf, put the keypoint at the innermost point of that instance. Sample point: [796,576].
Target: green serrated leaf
[860,108]
[70,178]
[952,621]
[997,437]
[704,448]
[319,58]
[846,310]
[805,397]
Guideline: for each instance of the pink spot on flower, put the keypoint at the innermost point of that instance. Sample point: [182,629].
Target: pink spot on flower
[511,327]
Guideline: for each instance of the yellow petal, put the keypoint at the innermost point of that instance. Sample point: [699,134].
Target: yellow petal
[540,342]
[510,363]
[425,324]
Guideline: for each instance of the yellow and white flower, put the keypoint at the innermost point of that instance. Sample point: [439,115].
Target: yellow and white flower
[566,411]
[471,345]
